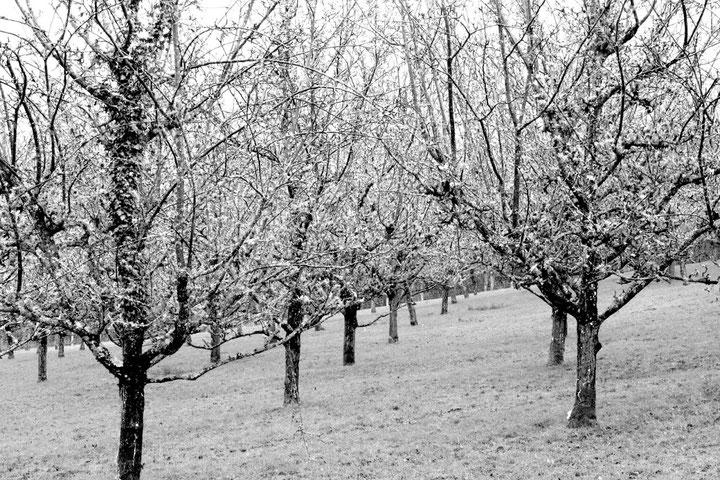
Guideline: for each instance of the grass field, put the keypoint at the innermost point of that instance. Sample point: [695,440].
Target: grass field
[463,396]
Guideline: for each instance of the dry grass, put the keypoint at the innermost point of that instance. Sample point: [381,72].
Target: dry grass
[467,399]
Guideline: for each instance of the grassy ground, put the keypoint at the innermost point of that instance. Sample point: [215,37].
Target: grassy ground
[465,395]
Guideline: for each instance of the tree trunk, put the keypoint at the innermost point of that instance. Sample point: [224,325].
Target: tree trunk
[82,345]
[132,404]
[683,271]
[61,345]
[453,296]
[411,312]
[410,305]
[216,338]
[216,331]
[444,302]
[42,359]
[292,352]
[350,317]
[5,343]
[373,308]
[492,280]
[393,302]
[583,411]
[556,355]
[486,280]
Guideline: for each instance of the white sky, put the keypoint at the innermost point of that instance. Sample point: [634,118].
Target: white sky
[11,25]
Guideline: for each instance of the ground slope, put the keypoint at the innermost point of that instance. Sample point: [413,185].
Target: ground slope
[462,396]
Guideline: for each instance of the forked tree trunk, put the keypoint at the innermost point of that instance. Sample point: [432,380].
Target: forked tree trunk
[393,302]
[444,301]
[61,345]
[132,405]
[82,345]
[42,359]
[588,345]
[292,352]
[556,355]
[350,317]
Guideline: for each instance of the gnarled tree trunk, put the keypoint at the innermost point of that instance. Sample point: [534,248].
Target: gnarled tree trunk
[556,355]
[350,317]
